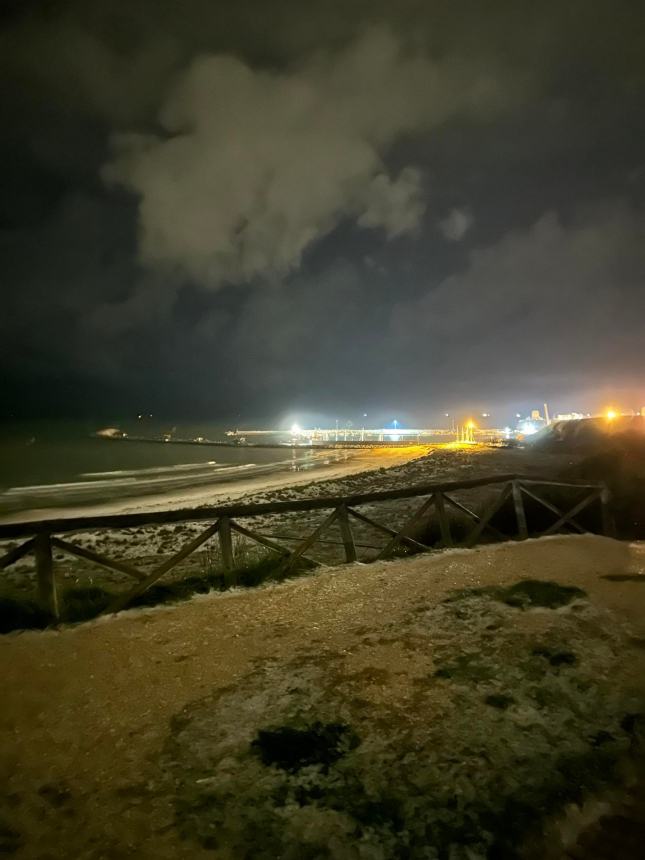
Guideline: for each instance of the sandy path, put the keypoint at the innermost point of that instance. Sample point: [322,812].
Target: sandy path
[86,711]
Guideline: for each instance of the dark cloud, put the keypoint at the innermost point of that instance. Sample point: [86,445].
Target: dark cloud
[557,301]
[415,204]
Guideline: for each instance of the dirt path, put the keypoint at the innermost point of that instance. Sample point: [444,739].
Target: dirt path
[87,713]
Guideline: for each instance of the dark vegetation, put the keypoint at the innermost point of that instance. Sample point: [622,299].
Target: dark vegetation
[538,517]
[623,471]
[555,657]
[84,603]
[525,594]
[499,701]
[21,615]
[611,452]
[292,748]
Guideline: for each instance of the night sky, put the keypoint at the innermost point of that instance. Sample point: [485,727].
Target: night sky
[213,209]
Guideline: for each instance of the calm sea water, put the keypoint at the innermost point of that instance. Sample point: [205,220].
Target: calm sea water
[47,464]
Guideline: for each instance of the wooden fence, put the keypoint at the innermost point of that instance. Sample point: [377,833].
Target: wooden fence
[43,537]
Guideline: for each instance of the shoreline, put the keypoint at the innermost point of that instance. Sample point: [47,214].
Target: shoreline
[352,463]
[149,544]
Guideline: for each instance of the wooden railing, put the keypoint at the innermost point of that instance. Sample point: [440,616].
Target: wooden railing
[223,522]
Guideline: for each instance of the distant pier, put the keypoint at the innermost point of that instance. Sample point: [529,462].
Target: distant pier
[322,438]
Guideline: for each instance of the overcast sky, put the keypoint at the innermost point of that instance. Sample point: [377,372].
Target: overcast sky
[221,210]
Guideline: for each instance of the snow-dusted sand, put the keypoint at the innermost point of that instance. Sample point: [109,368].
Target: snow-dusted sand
[113,728]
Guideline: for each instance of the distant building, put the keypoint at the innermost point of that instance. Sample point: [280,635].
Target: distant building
[531,424]
[568,416]
[111,433]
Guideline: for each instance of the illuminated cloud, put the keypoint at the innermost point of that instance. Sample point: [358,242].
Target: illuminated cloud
[456,224]
[254,166]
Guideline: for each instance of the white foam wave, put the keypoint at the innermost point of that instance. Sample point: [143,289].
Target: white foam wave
[153,470]
[165,480]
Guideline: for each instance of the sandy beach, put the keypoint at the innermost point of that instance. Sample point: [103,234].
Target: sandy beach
[329,465]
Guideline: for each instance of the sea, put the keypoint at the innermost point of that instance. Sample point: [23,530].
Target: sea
[53,464]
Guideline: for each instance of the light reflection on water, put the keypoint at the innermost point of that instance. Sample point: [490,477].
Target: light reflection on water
[56,464]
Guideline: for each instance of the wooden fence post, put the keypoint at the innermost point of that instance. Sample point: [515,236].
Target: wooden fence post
[122,600]
[487,516]
[520,513]
[302,547]
[608,524]
[346,534]
[47,596]
[226,543]
[390,546]
[444,523]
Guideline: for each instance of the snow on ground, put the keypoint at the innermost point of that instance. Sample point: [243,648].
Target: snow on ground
[362,712]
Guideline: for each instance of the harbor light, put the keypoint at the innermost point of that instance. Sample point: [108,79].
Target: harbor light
[611,414]
[528,427]
[296,430]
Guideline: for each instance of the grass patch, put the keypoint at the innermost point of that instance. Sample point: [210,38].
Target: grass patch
[291,748]
[466,668]
[81,604]
[10,839]
[531,593]
[525,594]
[21,615]
[499,701]
[250,575]
[84,603]
[556,657]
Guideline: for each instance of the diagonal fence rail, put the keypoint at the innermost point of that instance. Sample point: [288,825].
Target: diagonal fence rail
[437,500]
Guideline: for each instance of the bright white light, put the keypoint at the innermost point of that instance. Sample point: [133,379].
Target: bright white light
[394,437]
[296,430]
[528,428]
